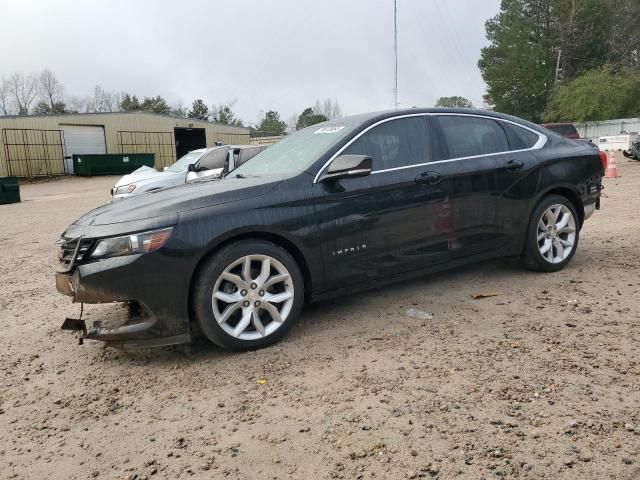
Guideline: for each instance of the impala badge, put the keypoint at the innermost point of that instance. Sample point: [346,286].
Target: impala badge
[349,250]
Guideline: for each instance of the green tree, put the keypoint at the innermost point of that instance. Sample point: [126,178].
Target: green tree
[596,95]
[271,125]
[199,110]
[155,105]
[454,102]
[581,31]
[223,114]
[623,39]
[536,45]
[129,103]
[309,117]
[518,65]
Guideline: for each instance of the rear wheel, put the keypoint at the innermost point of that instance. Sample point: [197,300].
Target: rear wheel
[248,295]
[553,234]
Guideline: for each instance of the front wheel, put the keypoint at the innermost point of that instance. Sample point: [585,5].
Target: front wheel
[248,295]
[552,236]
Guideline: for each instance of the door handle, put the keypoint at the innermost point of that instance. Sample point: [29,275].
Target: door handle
[430,178]
[513,165]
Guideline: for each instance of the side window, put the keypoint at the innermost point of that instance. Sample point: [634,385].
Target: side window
[246,154]
[396,143]
[519,138]
[214,159]
[467,136]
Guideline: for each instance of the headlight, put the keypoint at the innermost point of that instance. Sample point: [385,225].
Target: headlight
[144,242]
[124,189]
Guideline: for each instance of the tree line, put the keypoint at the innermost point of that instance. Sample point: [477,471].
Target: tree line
[572,60]
[44,94]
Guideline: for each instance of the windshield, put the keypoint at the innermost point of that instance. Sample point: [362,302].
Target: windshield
[184,161]
[294,153]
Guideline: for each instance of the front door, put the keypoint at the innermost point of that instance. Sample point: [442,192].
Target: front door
[384,223]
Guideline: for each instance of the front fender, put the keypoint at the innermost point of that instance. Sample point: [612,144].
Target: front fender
[293,227]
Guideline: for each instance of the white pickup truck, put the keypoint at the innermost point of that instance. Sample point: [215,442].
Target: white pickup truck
[205,162]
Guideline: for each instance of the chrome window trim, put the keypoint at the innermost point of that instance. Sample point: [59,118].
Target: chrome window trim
[542,140]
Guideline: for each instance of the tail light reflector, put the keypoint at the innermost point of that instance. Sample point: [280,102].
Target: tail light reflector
[603,159]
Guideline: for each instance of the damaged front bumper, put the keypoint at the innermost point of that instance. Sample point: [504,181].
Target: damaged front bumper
[156,304]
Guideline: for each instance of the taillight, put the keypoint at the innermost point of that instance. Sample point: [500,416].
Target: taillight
[603,159]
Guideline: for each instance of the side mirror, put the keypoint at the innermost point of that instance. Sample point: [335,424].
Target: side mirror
[346,166]
[192,167]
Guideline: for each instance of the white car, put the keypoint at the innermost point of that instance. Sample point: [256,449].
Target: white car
[205,162]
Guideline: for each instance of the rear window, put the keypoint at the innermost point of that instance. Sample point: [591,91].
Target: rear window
[467,136]
[519,138]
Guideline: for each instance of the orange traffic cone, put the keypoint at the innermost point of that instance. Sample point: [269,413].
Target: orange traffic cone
[612,171]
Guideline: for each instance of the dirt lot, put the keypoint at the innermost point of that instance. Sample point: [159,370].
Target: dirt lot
[542,380]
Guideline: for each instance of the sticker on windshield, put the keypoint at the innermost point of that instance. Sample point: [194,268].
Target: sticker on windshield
[328,130]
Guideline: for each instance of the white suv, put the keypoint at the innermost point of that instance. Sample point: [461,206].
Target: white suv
[205,162]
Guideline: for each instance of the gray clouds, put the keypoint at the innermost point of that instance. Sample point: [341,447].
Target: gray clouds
[280,55]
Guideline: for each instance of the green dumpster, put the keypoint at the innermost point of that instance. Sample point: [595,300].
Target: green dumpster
[111,164]
[9,190]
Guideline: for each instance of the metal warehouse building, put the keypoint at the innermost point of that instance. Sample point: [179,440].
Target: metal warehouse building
[42,145]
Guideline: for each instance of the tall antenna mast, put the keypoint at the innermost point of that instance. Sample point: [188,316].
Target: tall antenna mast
[395,54]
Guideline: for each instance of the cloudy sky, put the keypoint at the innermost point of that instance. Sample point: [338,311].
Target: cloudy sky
[278,54]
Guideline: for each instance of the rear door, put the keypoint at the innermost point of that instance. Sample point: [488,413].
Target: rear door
[484,164]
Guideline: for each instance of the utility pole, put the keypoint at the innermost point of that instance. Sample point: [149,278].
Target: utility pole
[557,67]
[395,54]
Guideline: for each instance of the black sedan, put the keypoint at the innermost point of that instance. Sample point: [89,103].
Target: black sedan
[338,207]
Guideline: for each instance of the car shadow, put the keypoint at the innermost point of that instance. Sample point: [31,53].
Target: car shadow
[314,315]
[318,317]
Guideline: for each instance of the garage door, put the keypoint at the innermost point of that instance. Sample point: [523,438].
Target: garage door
[82,139]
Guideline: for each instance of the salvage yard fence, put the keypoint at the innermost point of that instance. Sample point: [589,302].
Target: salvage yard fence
[162,144]
[34,153]
[604,128]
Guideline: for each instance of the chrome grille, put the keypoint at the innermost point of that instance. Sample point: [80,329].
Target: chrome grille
[68,248]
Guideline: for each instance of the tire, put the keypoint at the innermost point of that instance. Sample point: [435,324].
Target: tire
[243,313]
[545,247]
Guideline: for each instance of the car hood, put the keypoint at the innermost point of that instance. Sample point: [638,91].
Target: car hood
[143,173]
[161,207]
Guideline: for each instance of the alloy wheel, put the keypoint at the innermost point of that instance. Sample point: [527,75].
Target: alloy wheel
[556,234]
[252,297]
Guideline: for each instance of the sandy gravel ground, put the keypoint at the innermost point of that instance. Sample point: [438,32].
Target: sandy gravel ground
[541,381]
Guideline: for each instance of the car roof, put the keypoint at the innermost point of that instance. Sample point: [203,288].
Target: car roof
[372,117]
[208,149]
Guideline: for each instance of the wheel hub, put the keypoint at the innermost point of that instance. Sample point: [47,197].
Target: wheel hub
[556,233]
[252,297]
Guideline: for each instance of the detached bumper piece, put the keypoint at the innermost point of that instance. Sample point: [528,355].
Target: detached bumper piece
[125,326]
[132,320]
[75,325]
